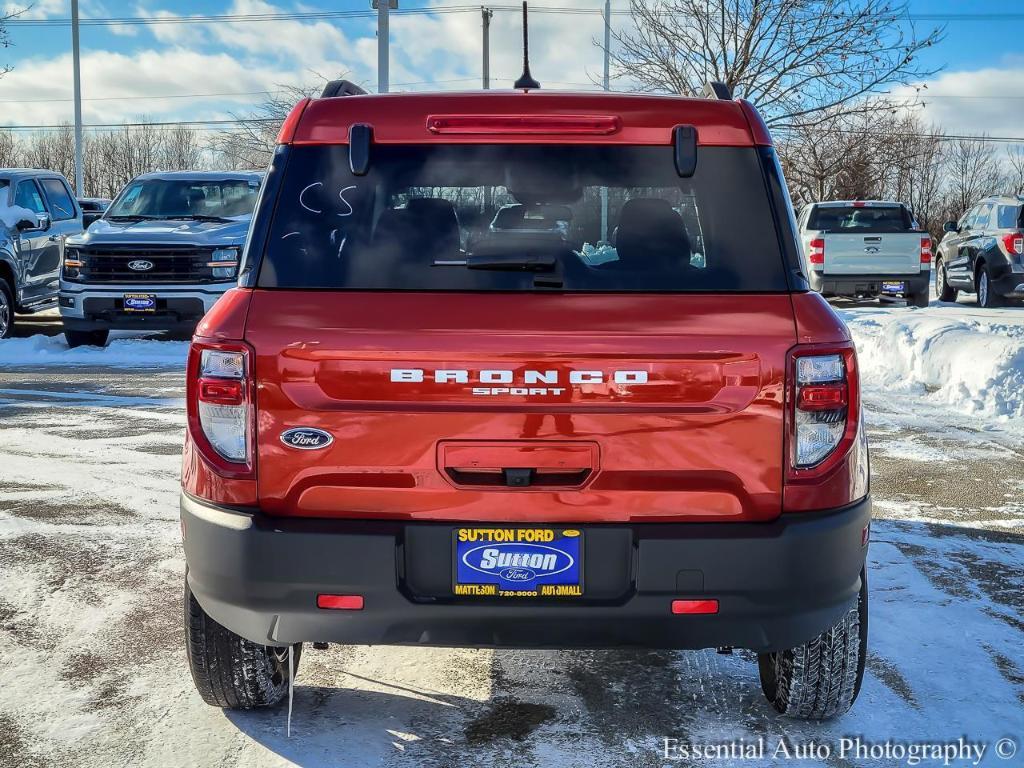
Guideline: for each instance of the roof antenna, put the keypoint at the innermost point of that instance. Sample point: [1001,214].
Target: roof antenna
[526,81]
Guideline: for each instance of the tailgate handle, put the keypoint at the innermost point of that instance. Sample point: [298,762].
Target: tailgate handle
[517,477]
[518,464]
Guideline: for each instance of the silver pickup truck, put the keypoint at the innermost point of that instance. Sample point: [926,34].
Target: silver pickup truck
[866,248]
[37,212]
[164,251]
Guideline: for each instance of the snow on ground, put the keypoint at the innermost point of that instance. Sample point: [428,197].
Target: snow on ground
[970,361]
[130,352]
[91,574]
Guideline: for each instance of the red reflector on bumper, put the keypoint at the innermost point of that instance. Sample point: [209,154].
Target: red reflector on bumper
[694,606]
[340,602]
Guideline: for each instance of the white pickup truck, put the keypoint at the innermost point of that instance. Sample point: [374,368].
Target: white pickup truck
[866,248]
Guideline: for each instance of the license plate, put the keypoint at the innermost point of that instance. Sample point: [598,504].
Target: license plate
[140,302]
[892,287]
[518,562]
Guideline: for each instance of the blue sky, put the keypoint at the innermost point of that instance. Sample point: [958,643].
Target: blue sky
[156,71]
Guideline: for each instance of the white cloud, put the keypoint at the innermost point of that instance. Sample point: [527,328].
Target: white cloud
[38,9]
[441,51]
[989,100]
[144,74]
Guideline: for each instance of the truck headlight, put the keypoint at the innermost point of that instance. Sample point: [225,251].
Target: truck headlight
[72,263]
[224,262]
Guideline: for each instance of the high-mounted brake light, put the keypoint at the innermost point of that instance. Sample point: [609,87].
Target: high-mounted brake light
[595,125]
[220,409]
[816,254]
[1014,243]
[926,250]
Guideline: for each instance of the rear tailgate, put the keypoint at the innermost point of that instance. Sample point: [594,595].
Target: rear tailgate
[882,253]
[691,428]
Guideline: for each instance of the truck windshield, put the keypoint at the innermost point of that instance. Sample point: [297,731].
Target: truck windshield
[856,219]
[185,199]
[522,218]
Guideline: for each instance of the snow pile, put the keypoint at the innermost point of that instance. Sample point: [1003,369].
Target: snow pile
[10,215]
[41,350]
[973,362]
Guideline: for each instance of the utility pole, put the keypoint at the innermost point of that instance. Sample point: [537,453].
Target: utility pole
[487,13]
[607,86]
[607,42]
[77,72]
[383,37]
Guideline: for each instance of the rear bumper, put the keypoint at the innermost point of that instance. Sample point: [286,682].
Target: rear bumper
[778,584]
[866,285]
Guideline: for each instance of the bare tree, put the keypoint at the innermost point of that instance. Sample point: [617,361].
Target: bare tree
[6,14]
[973,171]
[800,61]
[251,143]
[9,150]
[1015,175]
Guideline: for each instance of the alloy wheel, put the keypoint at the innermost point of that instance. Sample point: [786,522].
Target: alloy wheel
[5,315]
[983,289]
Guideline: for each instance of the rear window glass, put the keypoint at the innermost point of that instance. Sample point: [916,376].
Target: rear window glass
[860,219]
[523,217]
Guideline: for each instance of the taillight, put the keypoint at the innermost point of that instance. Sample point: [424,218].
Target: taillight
[824,408]
[220,407]
[1014,243]
[816,254]
[926,250]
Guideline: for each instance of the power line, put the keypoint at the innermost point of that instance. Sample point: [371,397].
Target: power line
[236,18]
[135,97]
[781,127]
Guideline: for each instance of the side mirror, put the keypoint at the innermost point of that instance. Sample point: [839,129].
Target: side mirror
[950,226]
[44,222]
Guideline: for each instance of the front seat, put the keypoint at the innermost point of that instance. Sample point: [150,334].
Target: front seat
[650,236]
[437,226]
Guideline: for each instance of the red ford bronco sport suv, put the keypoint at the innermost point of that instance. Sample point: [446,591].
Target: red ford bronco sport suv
[640,428]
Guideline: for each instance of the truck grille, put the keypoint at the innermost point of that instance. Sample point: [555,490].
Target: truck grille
[171,264]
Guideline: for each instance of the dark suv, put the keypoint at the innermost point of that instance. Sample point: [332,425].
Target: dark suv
[983,253]
[395,437]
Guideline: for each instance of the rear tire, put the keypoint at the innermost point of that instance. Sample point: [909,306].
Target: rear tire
[230,671]
[945,291]
[86,338]
[6,309]
[986,297]
[820,679]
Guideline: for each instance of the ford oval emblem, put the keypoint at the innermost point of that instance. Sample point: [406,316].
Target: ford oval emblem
[140,265]
[306,438]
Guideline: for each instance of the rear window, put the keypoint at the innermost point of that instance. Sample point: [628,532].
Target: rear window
[856,219]
[522,218]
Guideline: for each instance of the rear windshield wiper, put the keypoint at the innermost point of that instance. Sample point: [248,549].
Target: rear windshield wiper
[512,263]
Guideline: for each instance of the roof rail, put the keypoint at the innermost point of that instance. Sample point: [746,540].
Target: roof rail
[713,89]
[341,88]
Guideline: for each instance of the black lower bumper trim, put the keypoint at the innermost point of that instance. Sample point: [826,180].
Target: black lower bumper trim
[867,285]
[778,584]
